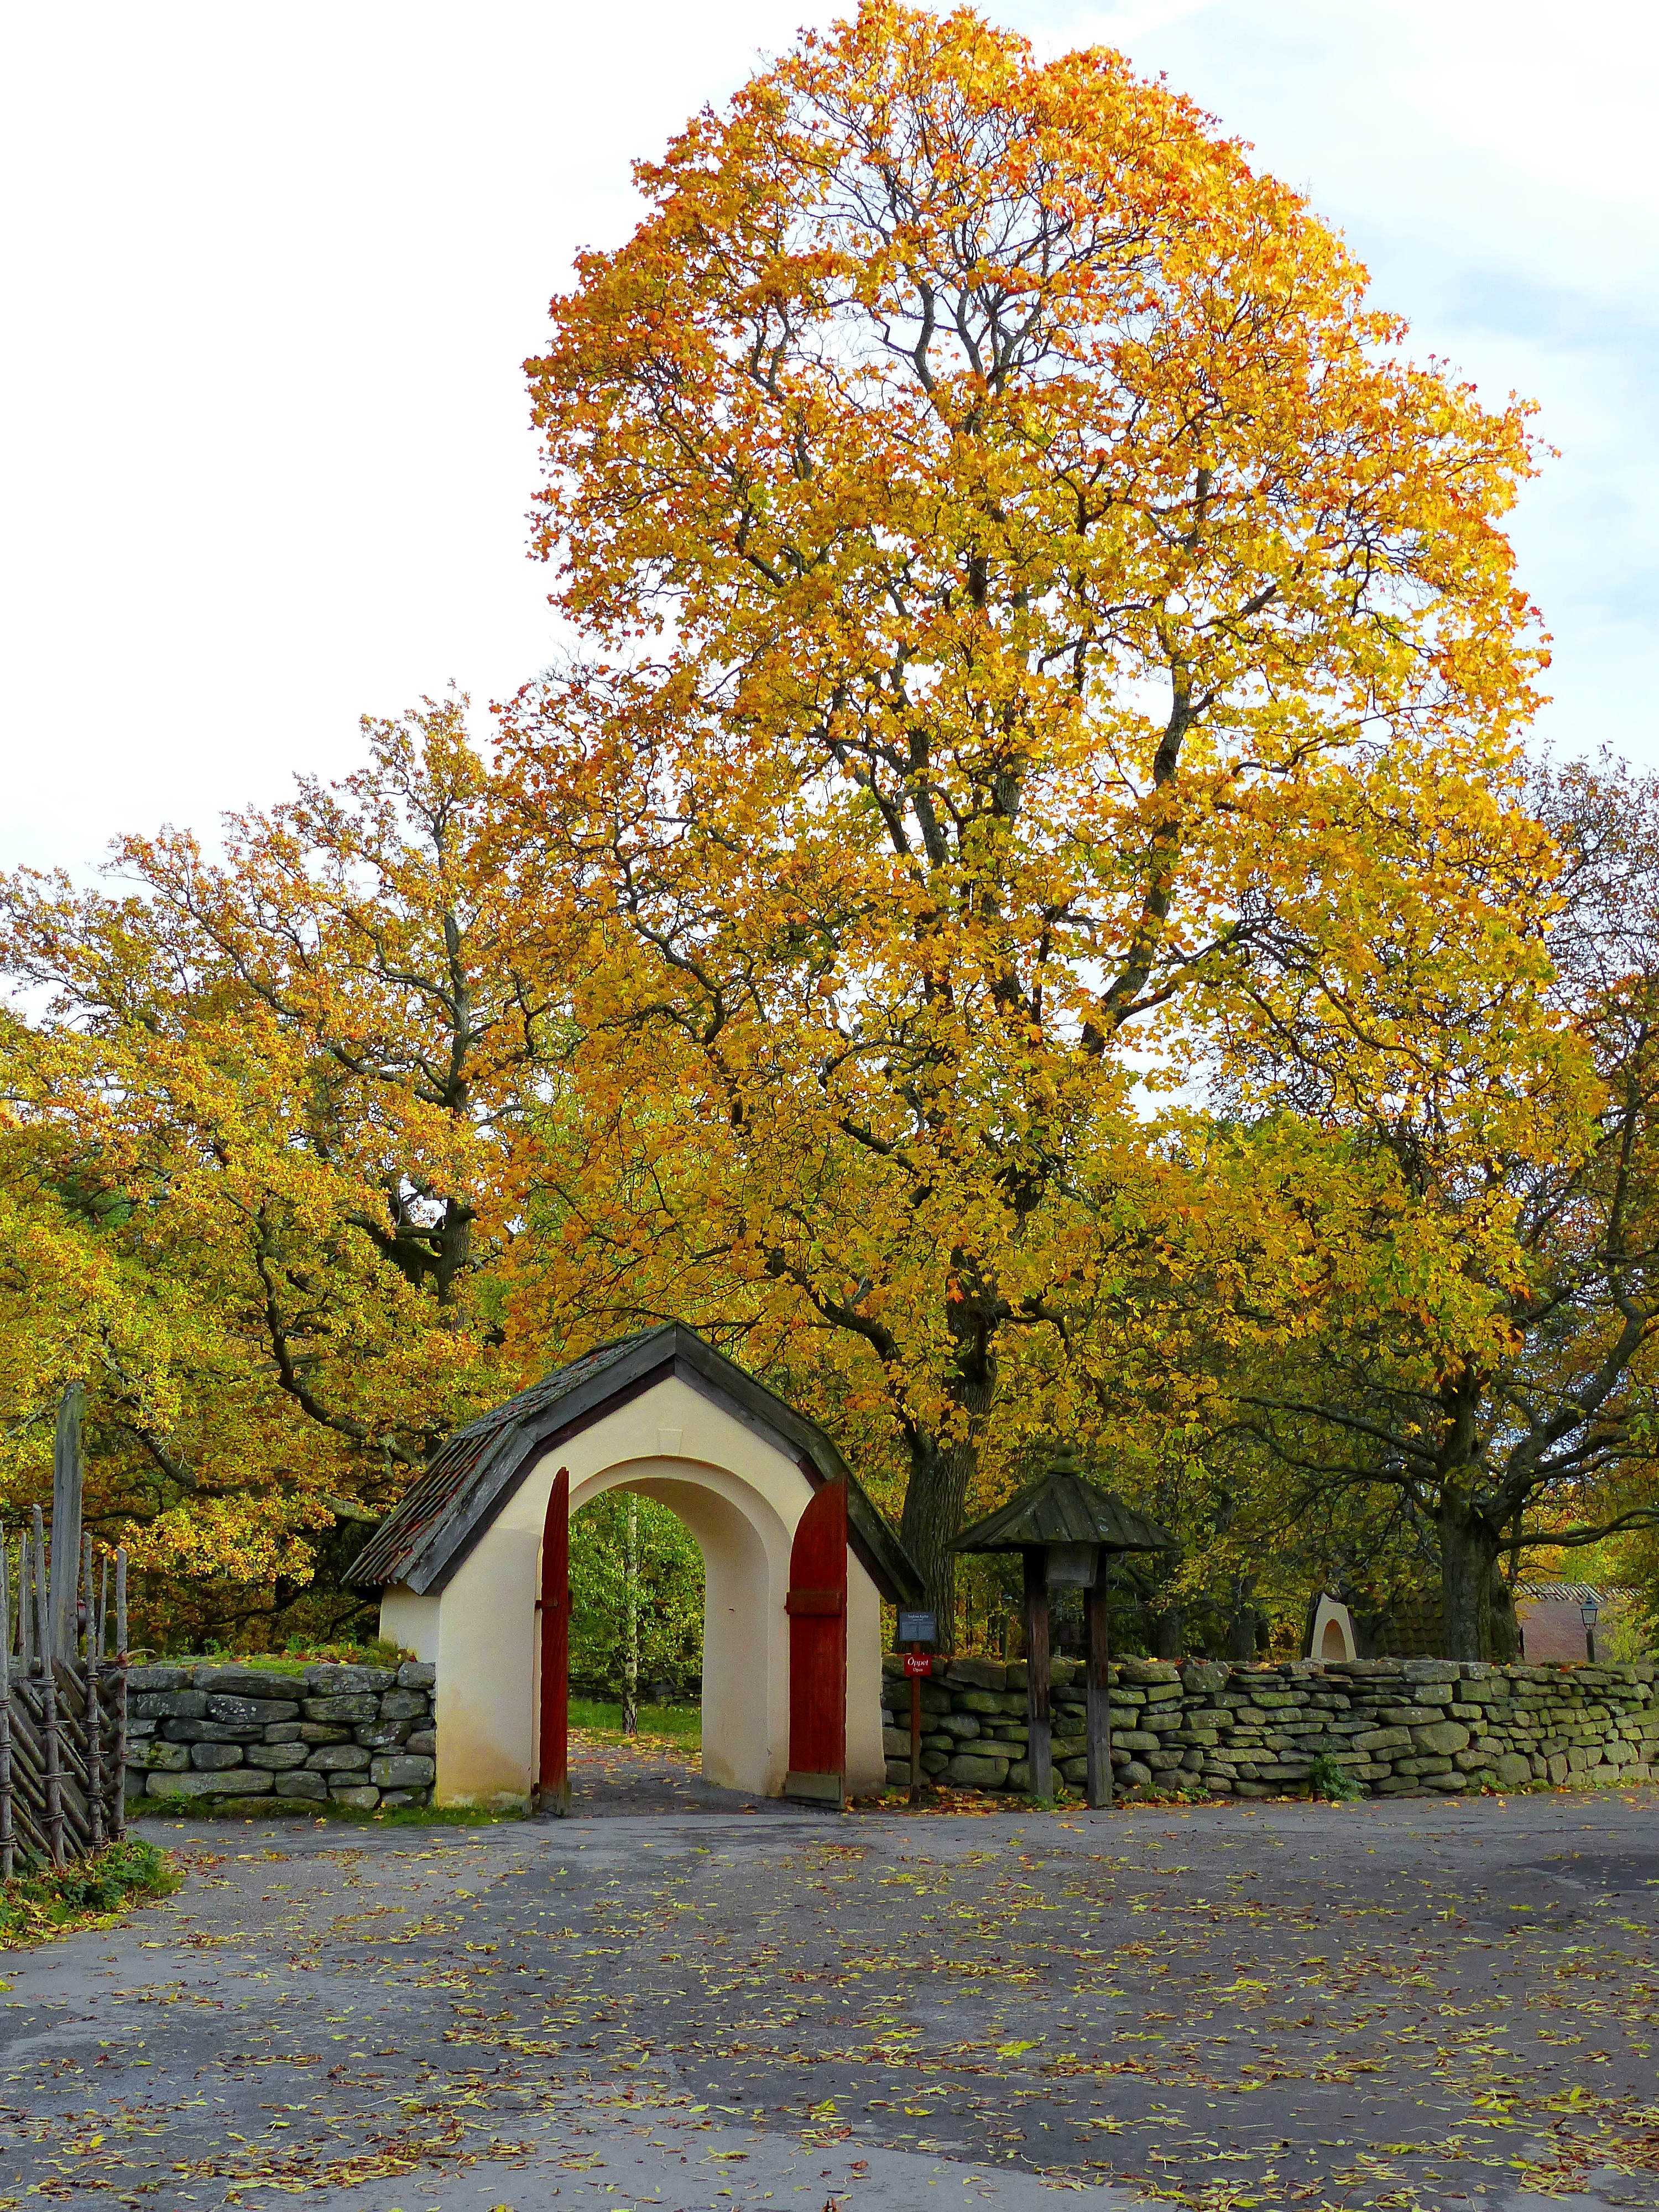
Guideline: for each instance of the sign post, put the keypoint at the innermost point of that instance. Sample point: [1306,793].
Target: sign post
[916,1629]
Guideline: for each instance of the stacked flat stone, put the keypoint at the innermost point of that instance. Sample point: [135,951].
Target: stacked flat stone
[1395,1726]
[253,1738]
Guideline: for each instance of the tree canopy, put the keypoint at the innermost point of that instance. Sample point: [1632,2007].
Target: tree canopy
[253,1164]
[1024,910]
[1484,1359]
[1042,630]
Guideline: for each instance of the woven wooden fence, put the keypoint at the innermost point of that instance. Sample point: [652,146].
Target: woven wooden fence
[63,1702]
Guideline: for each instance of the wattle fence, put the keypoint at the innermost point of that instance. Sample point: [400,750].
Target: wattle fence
[63,1704]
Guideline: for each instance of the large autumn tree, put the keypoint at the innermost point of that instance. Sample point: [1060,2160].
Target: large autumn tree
[1035,613]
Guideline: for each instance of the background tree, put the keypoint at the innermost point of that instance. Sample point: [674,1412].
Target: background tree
[264,1107]
[1483,1346]
[668,1603]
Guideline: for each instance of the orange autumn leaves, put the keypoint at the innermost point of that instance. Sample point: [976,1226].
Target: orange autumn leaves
[252,1160]
[1041,629]
[1042,646]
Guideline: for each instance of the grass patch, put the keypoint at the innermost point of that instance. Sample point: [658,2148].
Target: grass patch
[682,1722]
[36,1906]
[319,1810]
[377,1652]
[426,1816]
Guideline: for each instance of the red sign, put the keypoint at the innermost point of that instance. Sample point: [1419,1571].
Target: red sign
[918,1663]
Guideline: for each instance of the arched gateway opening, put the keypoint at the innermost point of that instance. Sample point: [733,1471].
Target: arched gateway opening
[471,1569]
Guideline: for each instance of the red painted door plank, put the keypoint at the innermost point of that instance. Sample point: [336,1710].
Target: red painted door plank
[818,1647]
[553,1765]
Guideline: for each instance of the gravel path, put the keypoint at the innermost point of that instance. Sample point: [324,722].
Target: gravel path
[1413,2004]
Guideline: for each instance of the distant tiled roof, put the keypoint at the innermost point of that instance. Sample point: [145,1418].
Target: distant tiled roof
[473,1475]
[1566,1593]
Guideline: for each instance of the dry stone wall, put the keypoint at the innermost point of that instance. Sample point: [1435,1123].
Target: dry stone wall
[1396,1726]
[364,1736]
[361,1737]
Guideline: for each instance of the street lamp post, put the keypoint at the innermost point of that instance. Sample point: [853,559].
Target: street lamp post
[1590,1612]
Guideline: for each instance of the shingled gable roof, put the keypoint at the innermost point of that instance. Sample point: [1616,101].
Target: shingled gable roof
[470,1477]
[1064,1507]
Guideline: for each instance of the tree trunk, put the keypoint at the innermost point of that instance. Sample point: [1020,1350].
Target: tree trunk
[1505,1627]
[630,1700]
[933,1503]
[940,1473]
[1468,1553]
[1241,1629]
[1170,1633]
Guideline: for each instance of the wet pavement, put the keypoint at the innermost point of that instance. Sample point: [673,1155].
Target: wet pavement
[1420,2002]
[650,1776]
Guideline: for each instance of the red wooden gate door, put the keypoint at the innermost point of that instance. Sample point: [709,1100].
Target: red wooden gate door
[553,1763]
[817,1649]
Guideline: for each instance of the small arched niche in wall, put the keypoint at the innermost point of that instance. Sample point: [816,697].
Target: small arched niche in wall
[1331,1636]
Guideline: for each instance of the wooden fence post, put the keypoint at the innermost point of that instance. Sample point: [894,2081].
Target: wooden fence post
[25,1625]
[63,1721]
[1096,1601]
[120,1779]
[95,1718]
[54,1769]
[1039,1740]
[118,1824]
[8,1848]
[67,1484]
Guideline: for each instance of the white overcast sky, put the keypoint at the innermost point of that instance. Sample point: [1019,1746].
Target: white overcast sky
[267,275]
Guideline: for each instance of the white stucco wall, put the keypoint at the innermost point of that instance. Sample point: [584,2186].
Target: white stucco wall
[740,1496]
[867,1759]
[410,1621]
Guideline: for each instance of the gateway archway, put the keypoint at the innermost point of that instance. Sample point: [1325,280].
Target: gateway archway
[461,1566]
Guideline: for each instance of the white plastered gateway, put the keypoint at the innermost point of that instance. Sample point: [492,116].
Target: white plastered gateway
[1331,1636]
[664,1414]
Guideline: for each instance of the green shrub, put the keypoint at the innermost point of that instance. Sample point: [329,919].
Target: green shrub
[43,1902]
[1328,1777]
